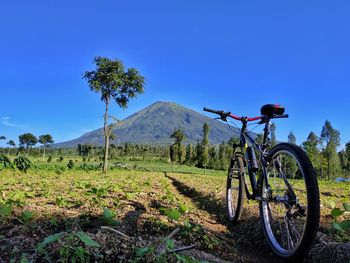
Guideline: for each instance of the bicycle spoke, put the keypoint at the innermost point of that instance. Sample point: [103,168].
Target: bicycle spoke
[285,209]
[289,238]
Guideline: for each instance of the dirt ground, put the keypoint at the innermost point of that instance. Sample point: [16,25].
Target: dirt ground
[66,204]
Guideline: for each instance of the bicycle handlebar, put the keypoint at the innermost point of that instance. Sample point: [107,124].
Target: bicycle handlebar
[224,115]
[218,112]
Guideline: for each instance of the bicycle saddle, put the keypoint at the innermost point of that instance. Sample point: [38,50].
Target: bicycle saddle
[272,109]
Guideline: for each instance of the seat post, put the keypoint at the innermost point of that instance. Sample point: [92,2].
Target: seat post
[266,130]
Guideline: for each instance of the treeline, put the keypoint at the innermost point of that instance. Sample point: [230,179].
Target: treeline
[202,155]
[322,150]
[26,142]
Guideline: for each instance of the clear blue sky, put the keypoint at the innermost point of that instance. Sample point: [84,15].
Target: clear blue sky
[233,55]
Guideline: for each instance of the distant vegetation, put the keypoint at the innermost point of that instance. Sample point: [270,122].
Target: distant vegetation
[322,151]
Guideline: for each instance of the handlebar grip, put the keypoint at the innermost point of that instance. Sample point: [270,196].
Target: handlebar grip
[212,111]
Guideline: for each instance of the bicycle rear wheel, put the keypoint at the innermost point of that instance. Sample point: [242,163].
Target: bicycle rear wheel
[235,190]
[290,206]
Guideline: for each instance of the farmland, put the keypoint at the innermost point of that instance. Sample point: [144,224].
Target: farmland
[52,213]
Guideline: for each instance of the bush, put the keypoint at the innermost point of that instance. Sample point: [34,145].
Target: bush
[70,164]
[22,163]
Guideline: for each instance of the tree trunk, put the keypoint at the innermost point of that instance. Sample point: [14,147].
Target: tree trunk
[328,166]
[44,153]
[106,133]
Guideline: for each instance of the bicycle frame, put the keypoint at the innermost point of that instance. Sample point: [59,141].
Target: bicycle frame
[244,137]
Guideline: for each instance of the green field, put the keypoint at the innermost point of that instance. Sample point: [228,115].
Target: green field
[52,213]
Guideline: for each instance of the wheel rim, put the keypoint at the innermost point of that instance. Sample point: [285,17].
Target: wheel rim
[233,191]
[284,211]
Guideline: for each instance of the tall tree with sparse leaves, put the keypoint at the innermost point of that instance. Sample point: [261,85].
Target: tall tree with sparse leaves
[347,155]
[330,139]
[310,146]
[45,140]
[291,138]
[178,135]
[273,134]
[204,152]
[206,129]
[189,154]
[114,83]
[12,144]
[27,139]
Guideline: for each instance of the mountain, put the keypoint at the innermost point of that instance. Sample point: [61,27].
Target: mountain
[154,125]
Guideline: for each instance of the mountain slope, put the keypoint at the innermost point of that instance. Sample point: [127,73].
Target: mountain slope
[154,125]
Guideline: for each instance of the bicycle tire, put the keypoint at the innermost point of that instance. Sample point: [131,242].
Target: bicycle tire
[235,190]
[306,218]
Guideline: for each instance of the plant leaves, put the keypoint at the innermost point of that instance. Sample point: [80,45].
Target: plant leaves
[173,214]
[51,239]
[26,216]
[336,212]
[337,226]
[140,252]
[346,207]
[183,209]
[345,225]
[170,243]
[86,239]
[108,214]
[6,210]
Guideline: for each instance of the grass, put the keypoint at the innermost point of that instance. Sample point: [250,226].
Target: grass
[138,200]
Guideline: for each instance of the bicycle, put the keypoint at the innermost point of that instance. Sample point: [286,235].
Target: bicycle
[282,180]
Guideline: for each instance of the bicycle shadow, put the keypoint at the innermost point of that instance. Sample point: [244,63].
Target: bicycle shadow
[205,202]
[247,234]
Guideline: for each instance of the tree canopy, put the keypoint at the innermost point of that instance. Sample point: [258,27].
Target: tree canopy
[113,82]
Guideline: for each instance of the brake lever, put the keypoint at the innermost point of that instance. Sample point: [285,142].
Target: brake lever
[221,118]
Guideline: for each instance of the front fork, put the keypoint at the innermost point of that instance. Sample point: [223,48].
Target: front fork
[289,199]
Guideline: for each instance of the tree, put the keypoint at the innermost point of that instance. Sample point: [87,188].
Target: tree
[178,136]
[114,83]
[330,139]
[232,141]
[206,129]
[12,144]
[3,138]
[84,149]
[310,146]
[343,160]
[204,152]
[212,158]
[273,134]
[347,155]
[291,138]
[45,140]
[27,139]
[222,155]
[189,154]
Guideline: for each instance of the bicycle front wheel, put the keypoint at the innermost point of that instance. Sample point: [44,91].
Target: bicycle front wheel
[235,189]
[290,206]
